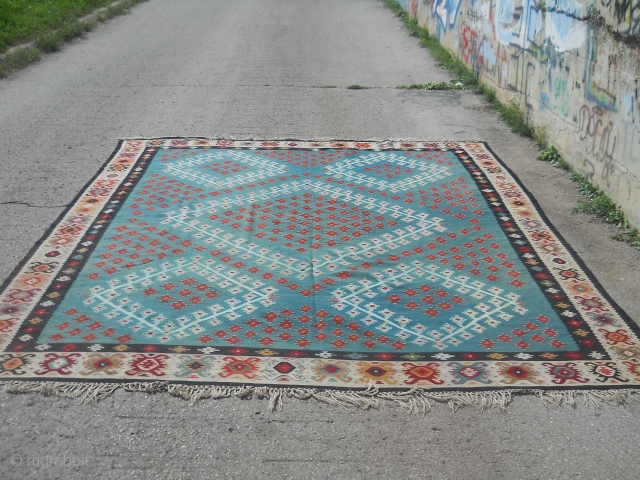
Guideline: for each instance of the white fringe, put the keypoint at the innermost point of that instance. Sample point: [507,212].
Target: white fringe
[280,138]
[414,401]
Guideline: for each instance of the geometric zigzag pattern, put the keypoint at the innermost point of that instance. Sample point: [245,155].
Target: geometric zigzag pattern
[311,264]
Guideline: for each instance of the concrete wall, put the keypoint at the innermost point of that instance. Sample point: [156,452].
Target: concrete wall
[572,65]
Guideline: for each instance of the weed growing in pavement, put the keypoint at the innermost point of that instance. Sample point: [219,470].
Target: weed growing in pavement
[432,86]
[552,156]
[597,202]
[357,87]
[600,204]
[540,136]
[458,69]
[510,113]
[49,43]
[630,236]
[454,66]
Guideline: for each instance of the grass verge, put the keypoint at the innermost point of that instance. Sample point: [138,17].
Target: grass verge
[50,40]
[464,78]
[25,20]
[54,41]
[457,68]
[596,201]
[599,204]
[18,60]
[552,156]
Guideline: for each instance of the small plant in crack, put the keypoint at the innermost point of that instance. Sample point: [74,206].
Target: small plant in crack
[598,202]
[552,156]
[433,86]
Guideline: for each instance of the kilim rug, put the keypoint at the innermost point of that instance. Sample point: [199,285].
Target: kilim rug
[344,271]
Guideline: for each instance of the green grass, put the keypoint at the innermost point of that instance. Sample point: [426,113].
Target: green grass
[54,41]
[111,12]
[432,86]
[598,203]
[552,156]
[49,23]
[461,73]
[510,113]
[357,87]
[25,20]
[630,236]
[18,60]
[457,68]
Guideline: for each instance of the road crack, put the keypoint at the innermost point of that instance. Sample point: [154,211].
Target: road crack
[13,202]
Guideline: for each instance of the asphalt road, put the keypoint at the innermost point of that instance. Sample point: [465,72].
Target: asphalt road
[271,69]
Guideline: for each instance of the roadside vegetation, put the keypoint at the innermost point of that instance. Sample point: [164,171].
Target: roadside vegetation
[433,86]
[463,77]
[596,201]
[46,25]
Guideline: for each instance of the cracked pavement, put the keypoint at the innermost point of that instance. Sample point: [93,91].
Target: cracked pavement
[259,69]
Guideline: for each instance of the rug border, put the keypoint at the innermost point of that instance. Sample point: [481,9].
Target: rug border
[59,218]
[623,314]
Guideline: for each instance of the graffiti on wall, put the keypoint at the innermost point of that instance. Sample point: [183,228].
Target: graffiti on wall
[514,19]
[446,11]
[600,79]
[622,15]
[566,71]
